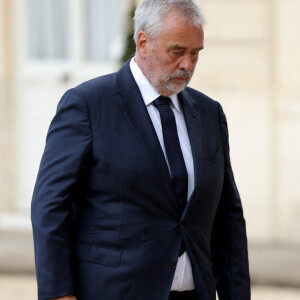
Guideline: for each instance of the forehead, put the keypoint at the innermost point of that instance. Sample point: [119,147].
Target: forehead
[177,30]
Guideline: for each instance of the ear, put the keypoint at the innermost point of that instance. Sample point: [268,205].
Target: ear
[142,44]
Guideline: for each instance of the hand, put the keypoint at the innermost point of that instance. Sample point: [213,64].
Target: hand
[70,297]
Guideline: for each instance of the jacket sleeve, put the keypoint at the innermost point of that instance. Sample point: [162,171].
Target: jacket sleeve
[229,241]
[63,171]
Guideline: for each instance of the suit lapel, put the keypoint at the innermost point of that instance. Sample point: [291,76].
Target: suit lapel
[135,111]
[196,135]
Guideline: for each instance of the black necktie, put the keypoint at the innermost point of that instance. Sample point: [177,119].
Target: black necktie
[174,154]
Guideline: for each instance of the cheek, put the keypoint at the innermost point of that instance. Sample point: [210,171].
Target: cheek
[174,67]
[195,62]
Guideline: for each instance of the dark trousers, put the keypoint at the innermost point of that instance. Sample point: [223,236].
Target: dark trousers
[187,295]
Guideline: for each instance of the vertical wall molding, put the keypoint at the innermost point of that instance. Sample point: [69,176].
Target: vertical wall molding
[6,132]
[274,120]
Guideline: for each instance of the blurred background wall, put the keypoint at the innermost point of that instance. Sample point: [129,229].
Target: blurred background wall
[250,64]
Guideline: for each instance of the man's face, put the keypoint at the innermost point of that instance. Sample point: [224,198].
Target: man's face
[171,58]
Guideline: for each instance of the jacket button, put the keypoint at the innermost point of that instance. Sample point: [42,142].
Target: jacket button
[173,264]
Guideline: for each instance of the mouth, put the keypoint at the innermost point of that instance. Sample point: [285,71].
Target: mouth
[180,79]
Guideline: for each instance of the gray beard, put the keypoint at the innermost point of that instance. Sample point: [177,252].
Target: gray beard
[173,88]
[164,83]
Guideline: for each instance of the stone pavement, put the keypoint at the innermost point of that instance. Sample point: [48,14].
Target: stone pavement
[269,265]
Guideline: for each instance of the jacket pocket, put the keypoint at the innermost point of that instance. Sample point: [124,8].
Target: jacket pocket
[214,153]
[98,255]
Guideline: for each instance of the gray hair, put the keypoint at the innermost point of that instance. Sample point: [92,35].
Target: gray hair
[150,14]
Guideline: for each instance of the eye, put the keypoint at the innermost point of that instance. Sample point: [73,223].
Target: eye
[176,53]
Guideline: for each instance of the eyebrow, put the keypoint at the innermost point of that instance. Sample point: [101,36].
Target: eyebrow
[177,47]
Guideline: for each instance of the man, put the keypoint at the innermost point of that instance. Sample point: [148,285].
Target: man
[135,197]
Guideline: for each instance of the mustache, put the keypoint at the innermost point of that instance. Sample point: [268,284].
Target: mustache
[182,74]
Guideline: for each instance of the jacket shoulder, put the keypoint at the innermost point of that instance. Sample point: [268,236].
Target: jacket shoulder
[98,85]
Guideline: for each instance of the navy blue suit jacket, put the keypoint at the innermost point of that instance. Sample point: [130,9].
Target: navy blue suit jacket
[105,220]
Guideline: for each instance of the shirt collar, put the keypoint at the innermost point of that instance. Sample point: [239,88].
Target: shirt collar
[149,93]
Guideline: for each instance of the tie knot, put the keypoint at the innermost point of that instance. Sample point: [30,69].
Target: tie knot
[161,100]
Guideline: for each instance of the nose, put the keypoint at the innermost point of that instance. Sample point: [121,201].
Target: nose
[186,63]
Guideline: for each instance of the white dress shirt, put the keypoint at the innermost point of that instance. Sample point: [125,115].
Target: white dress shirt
[183,277]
